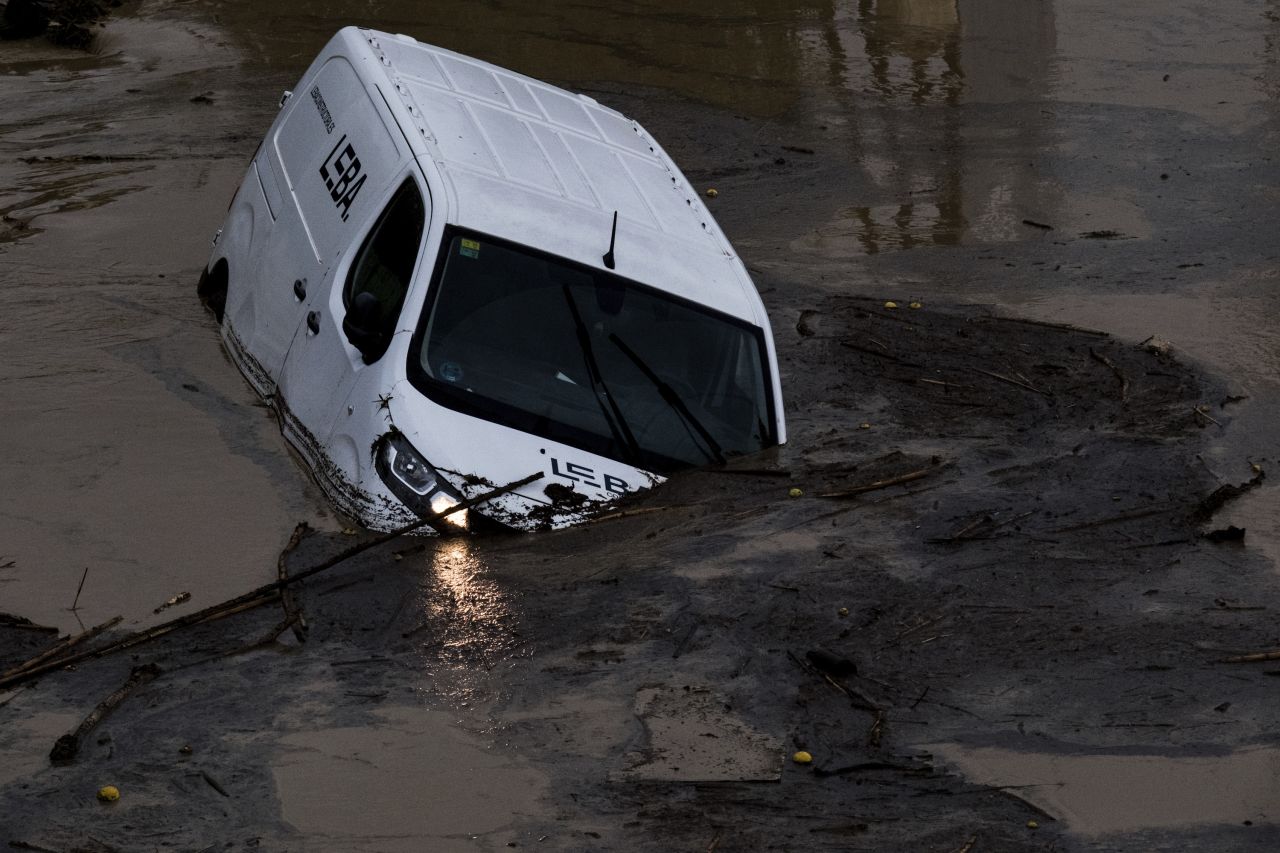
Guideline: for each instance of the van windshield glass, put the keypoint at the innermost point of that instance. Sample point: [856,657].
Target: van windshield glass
[583,357]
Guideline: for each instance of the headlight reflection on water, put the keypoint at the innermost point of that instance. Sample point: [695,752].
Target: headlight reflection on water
[469,623]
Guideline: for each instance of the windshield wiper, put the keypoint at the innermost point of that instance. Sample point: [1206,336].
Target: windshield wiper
[712,450]
[621,431]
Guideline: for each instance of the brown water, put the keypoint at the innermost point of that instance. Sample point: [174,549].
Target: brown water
[1099,794]
[136,452]
[412,782]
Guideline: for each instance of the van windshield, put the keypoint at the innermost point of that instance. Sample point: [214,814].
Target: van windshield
[590,359]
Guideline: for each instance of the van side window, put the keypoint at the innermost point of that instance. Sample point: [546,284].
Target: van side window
[382,268]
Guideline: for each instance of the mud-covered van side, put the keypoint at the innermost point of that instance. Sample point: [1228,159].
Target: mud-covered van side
[447,276]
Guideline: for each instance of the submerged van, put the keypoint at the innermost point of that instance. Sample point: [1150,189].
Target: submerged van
[446,276]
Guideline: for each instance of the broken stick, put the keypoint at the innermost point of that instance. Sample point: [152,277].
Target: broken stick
[1033,389]
[884,484]
[293,613]
[1256,657]
[67,746]
[1111,365]
[61,648]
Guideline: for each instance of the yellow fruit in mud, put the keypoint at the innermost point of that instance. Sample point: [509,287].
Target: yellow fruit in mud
[1031,824]
[864,425]
[108,793]
[802,757]
[795,493]
[916,305]
[843,611]
[712,192]
[891,304]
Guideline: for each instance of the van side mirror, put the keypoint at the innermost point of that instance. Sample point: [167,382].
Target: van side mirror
[361,326]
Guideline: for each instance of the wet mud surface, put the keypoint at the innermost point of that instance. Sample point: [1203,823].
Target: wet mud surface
[991,604]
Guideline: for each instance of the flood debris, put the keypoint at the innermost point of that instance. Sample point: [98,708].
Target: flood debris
[76,601]
[1223,495]
[1111,365]
[213,783]
[294,618]
[62,648]
[1020,382]
[831,664]
[68,746]
[1231,533]
[180,598]
[935,466]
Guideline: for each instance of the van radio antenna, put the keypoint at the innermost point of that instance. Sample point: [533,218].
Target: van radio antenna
[613,234]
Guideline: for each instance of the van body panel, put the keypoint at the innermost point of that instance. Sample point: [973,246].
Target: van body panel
[322,365]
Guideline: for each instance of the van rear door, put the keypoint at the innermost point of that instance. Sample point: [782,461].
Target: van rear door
[361,198]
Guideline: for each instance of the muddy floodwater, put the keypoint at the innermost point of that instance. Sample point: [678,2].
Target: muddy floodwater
[991,613]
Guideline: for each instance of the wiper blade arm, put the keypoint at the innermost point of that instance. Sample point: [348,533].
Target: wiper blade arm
[619,427]
[712,450]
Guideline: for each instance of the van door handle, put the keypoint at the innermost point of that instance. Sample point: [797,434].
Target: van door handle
[300,288]
[313,322]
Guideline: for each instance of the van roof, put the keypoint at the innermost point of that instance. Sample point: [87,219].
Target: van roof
[535,164]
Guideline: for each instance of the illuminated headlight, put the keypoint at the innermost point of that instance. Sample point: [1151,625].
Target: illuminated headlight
[412,479]
[411,469]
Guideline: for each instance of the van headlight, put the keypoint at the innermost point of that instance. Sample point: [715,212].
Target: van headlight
[412,479]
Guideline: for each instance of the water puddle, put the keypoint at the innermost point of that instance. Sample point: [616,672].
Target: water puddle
[693,736]
[1098,794]
[411,782]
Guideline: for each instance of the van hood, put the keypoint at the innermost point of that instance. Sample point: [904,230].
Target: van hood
[476,456]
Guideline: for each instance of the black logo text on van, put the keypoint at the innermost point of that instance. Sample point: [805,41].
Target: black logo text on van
[576,473]
[342,175]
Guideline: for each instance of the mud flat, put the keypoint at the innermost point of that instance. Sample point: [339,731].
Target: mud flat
[998,549]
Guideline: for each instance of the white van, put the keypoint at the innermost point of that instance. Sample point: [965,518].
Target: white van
[446,276]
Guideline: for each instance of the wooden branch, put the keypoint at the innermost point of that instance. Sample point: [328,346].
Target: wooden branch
[1124,380]
[878,354]
[1256,657]
[292,612]
[1199,410]
[884,484]
[1019,383]
[1114,519]
[62,647]
[1062,327]
[67,746]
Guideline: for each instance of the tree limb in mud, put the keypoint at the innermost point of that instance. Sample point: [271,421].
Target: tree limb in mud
[62,648]
[1256,657]
[292,612]
[67,746]
[884,484]
[262,594]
